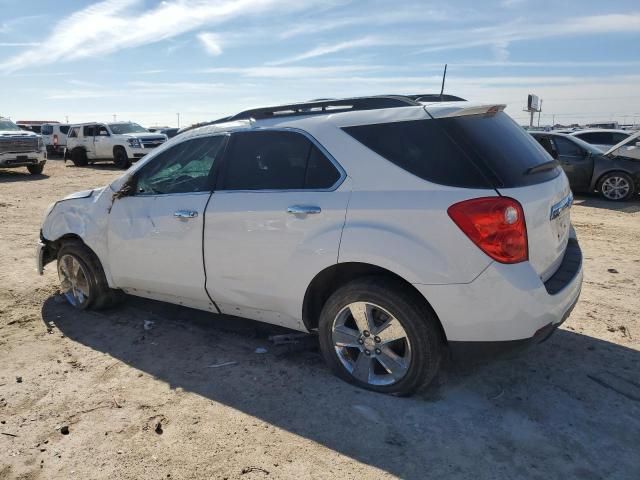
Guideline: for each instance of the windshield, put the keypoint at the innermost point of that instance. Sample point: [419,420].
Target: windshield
[122,128]
[8,125]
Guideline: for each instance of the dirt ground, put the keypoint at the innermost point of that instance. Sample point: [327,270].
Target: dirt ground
[149,403]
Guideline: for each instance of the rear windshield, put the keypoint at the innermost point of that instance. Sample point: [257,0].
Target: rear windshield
[474,151]
[46,130]
[64,129]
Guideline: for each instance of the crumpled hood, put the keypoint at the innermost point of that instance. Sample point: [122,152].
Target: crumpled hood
[84,193]
[624,142]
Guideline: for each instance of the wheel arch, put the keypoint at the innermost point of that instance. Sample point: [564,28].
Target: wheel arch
[635,176]
[335,276]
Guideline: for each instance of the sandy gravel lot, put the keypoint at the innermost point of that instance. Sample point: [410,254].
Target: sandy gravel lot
[145,403]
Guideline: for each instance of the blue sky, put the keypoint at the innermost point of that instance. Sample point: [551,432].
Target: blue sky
[147,60]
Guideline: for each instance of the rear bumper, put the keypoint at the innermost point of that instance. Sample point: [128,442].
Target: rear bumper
[507,306]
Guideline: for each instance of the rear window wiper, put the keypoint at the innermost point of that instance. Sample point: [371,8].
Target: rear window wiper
[543,167]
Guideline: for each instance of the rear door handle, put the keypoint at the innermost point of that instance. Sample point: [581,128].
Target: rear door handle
[185,214]
[303,210]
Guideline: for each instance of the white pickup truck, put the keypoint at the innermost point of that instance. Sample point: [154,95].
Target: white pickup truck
[20,148]
[120,142]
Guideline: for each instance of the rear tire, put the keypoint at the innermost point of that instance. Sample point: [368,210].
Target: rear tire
[79,157]
[120,158]
[617,186]
[82,278]
[369,357]
[36,169]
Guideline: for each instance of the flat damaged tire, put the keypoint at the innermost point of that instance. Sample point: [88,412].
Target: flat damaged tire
[375,334]
[82,279]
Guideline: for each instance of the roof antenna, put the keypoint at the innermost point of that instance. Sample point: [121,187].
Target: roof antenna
[444,76]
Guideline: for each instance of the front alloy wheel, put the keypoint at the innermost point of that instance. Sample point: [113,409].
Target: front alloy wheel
[371,344]
[617,186]
[74,281]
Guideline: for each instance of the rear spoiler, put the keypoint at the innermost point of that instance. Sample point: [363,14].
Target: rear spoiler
[459,109]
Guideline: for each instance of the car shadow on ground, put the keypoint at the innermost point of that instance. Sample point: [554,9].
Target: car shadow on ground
[547,413]
[8,176]
[596,201]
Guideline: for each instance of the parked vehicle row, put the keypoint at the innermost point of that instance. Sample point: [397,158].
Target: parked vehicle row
[614,173]
[119,142]
[395,228]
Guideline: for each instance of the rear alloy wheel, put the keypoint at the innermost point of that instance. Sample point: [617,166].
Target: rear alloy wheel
[375,334]
[616,186]
[120,158]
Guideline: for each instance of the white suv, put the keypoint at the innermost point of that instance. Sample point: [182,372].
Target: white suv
[54,136]
[396,229]
[120,142]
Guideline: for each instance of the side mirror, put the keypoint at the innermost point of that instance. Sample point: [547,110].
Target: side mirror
[128,189]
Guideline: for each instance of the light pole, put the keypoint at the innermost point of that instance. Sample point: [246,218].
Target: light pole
[178,115]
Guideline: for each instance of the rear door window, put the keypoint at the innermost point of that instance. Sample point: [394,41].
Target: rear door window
[566,147]
[89,130]
[474,151]
[597,138]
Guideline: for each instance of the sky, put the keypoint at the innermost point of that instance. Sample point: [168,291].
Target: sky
[159,62]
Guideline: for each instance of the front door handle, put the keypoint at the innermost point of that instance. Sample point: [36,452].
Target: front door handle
[303,210]
[185,214]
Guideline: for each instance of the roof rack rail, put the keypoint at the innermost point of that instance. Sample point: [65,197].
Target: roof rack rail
[435,97]
[327,106]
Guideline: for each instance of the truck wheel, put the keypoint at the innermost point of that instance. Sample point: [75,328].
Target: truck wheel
[616,186]
[375,334]
[82,278]
[120,158]
[79,157]
[36,169]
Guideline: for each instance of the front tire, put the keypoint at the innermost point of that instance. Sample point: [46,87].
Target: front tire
[379,336]
[617,186]
[36,169]
[120,158]
[82,279]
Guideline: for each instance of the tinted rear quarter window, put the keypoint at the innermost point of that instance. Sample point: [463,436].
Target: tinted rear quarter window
[475,151]
[64,129]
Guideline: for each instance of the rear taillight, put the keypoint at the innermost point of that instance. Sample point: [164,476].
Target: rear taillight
[55,139]
[496,225]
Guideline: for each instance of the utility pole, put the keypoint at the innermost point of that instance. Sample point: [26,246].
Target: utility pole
[539,111]
[114,117]
[178,115]
[66,119]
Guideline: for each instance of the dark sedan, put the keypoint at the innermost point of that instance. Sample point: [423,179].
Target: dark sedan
[589,169]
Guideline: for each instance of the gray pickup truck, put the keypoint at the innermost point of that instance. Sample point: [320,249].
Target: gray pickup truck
[19,148]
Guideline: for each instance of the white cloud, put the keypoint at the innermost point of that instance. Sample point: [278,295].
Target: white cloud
[326,49]
[498,37]
[292,72]
[211,43]
[18,44]
[113,25]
